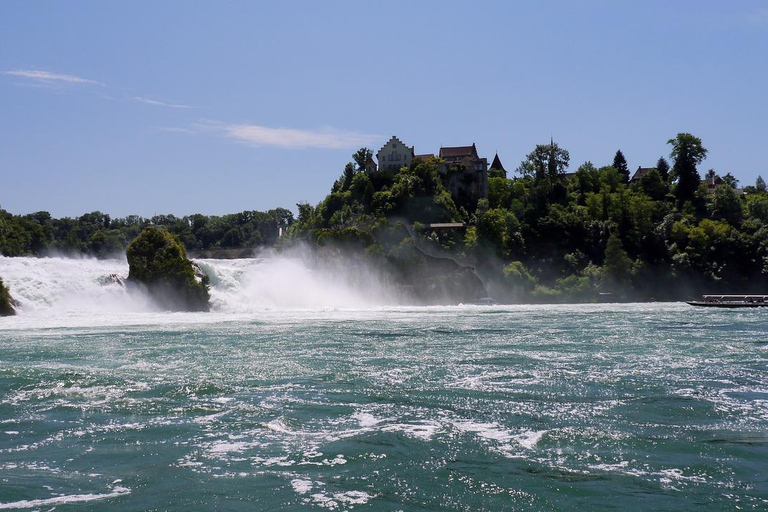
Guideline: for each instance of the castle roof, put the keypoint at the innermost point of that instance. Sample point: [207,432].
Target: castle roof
[458,151]
[640,172]
[394,140]
[496,164]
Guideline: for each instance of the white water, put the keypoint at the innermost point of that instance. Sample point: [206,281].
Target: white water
[65,286]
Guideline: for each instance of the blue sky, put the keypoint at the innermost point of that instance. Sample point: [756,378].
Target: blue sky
[218,107]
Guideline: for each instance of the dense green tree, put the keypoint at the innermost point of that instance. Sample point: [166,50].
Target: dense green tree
[620,164]
[653,185]
[687,153]
[730,180]
[760,184]
[617,265]
[724,203]
[499,229]
[500,192]
[757,206]
[586,180]
[361,158]
[663,167]
[546,161]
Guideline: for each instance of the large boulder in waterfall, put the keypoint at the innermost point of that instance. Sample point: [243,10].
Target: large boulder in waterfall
[6,303]
[157,259]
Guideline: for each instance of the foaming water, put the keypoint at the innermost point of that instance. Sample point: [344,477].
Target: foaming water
[283,282]
[365,407]
[67,287]
[45,285]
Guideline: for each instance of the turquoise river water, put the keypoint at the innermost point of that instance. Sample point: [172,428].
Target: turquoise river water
[373,407]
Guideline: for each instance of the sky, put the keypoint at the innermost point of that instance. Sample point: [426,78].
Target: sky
[182,107]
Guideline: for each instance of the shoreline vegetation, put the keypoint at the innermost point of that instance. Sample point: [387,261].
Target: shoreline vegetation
[544,235]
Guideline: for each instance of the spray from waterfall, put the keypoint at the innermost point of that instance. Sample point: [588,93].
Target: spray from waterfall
[284,281]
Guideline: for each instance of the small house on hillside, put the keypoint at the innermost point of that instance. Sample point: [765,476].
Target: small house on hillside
[370,166]
[639,173]
[712,180]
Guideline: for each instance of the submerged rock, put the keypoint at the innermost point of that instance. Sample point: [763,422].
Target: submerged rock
[6,302]
[112,279]
[157,260]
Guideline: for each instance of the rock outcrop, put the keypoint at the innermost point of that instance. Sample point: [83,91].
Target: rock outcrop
[6,303]
[157,260]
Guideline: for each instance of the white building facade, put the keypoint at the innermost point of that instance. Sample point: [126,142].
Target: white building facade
[394,155]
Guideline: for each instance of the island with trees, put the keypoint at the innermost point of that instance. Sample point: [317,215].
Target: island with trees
[158,261]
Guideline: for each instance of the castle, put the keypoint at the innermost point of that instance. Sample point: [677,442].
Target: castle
[464,172]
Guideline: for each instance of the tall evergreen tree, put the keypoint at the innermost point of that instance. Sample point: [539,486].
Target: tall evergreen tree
[620,164]
[663,167]
[687,152]
[760,184]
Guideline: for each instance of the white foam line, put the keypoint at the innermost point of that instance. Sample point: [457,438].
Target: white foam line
[61,500]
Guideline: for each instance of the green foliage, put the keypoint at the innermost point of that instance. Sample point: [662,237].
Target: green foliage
[724,203]
[6,304]
[757,207]
[500,192]
[653,185]
[97,234]
[586,180]
[617,265]
[499,229]
[760,184]
[663,168]
[546,161]
[361,158]
[730,180]
[517,276]
[687,152]
[157,259]
[620,164]
[611,177]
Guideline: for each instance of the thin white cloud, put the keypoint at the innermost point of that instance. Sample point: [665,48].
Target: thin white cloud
[759,17]
[160,103]
[291,138]
[174,129]
[49,77]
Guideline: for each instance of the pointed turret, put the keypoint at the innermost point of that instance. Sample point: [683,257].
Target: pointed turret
[497,166]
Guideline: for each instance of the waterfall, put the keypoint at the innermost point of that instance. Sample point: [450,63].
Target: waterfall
[43,286]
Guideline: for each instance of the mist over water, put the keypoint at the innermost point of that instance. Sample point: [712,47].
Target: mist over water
[288,282]
[318,390]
